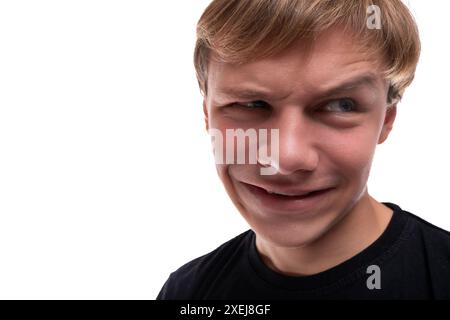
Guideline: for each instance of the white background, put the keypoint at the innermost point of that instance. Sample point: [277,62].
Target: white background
[107,180]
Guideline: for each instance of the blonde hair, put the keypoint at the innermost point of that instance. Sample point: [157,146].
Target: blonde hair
[240,31]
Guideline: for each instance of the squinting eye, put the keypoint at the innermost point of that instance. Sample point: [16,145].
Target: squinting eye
[252,104]
[345,105]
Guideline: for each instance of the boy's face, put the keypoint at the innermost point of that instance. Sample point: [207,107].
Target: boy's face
[331,112]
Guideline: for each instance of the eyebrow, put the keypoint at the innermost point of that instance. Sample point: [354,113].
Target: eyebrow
[364,80]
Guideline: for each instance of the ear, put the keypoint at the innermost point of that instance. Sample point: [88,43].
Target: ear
[389,119]
[205,112]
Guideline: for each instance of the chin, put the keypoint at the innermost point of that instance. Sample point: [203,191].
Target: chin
[294,233]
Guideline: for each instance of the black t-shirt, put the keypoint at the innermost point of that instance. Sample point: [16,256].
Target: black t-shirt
[410,260]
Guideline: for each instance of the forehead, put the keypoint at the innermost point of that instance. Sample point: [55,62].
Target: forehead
[334,57]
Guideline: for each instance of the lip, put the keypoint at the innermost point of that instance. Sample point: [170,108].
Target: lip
[282,203]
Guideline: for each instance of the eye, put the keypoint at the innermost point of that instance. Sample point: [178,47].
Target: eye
[344,105]
[258,104]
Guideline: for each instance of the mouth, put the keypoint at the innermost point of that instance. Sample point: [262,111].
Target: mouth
[284,201]
[294,196]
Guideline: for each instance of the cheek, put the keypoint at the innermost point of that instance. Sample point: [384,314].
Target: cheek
[225,176]
[351,154]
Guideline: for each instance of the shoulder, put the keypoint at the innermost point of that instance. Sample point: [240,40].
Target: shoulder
[431,235]
[432,244]
[184,282]
[419,229]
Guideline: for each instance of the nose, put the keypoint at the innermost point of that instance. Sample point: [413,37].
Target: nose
[297,143]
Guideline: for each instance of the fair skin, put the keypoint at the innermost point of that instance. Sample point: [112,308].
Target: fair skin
[322,145]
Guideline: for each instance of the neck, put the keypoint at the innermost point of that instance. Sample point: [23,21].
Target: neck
[369,217]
